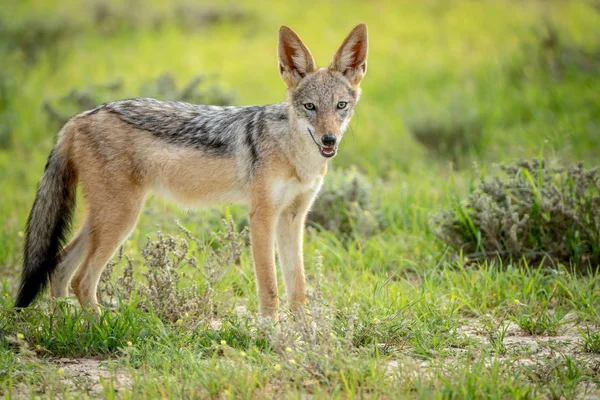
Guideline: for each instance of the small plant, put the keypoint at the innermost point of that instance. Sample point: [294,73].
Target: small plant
[591,340]
[122,289]
[497,339]
[168,260]
[452,130]
[564,377]
[435,332]
[163,87]
[497,329]
[542,322]
[539,319]
[307,345]
[347,205]
[534,212]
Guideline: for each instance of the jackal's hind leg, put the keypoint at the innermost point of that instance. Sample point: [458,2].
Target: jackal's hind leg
[111,222]
[71,257]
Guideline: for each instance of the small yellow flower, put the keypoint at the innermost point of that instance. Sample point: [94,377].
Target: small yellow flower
[37,346]
[223,342]
[332,334]
[293,362]
[243,354]
[20,234]
[129,343]
[277,367]
[375,321]
[288,349]
[20,336]
[186,315]
[61,371]
[179,322]
[517,302]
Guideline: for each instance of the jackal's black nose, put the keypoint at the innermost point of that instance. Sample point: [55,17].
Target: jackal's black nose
[329,139]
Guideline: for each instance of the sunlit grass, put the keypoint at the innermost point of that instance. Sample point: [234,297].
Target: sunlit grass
[419,322]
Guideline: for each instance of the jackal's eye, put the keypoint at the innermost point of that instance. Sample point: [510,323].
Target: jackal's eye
[341,105]
[309,106]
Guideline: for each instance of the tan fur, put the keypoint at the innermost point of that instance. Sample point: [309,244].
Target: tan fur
[118,165]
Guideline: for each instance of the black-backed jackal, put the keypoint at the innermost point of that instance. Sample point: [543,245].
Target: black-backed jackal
[271,157]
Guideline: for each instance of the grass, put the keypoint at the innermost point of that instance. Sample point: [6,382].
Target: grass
[398,313]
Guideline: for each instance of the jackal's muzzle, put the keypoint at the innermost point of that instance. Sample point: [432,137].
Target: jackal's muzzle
[328,147]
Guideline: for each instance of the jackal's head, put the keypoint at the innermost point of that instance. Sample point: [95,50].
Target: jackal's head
[322,100]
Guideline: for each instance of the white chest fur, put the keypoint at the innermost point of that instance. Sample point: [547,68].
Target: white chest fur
[285,191]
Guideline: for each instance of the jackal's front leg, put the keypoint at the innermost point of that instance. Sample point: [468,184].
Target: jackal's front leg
[290,232]
[262,236]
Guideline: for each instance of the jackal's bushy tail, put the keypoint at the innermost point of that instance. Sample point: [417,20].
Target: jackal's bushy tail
[47,226]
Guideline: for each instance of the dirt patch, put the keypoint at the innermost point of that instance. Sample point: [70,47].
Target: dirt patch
[568,341]
[93,377]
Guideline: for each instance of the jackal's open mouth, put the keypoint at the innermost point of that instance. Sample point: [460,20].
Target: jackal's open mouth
[328,151]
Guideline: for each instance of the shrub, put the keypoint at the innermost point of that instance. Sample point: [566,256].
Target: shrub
[78,100]
[347,205]
[533,212]
[554,54]
[7,115]
[168,261]
[111,17]
[191,16]
[32,36]
[451,130]
[163,87]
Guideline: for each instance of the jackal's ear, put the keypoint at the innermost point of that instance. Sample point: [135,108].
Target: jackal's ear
[351,58]
[295,60]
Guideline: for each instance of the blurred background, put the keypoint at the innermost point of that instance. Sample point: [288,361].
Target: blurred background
[450,85]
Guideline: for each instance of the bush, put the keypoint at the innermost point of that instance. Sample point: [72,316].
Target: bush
[165,259]
[111,17]
[196,91]
[163,87]
[553,54]
[451,130]
[190,16]
[534,212]
[347,205]
[32,36]
[7,115]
